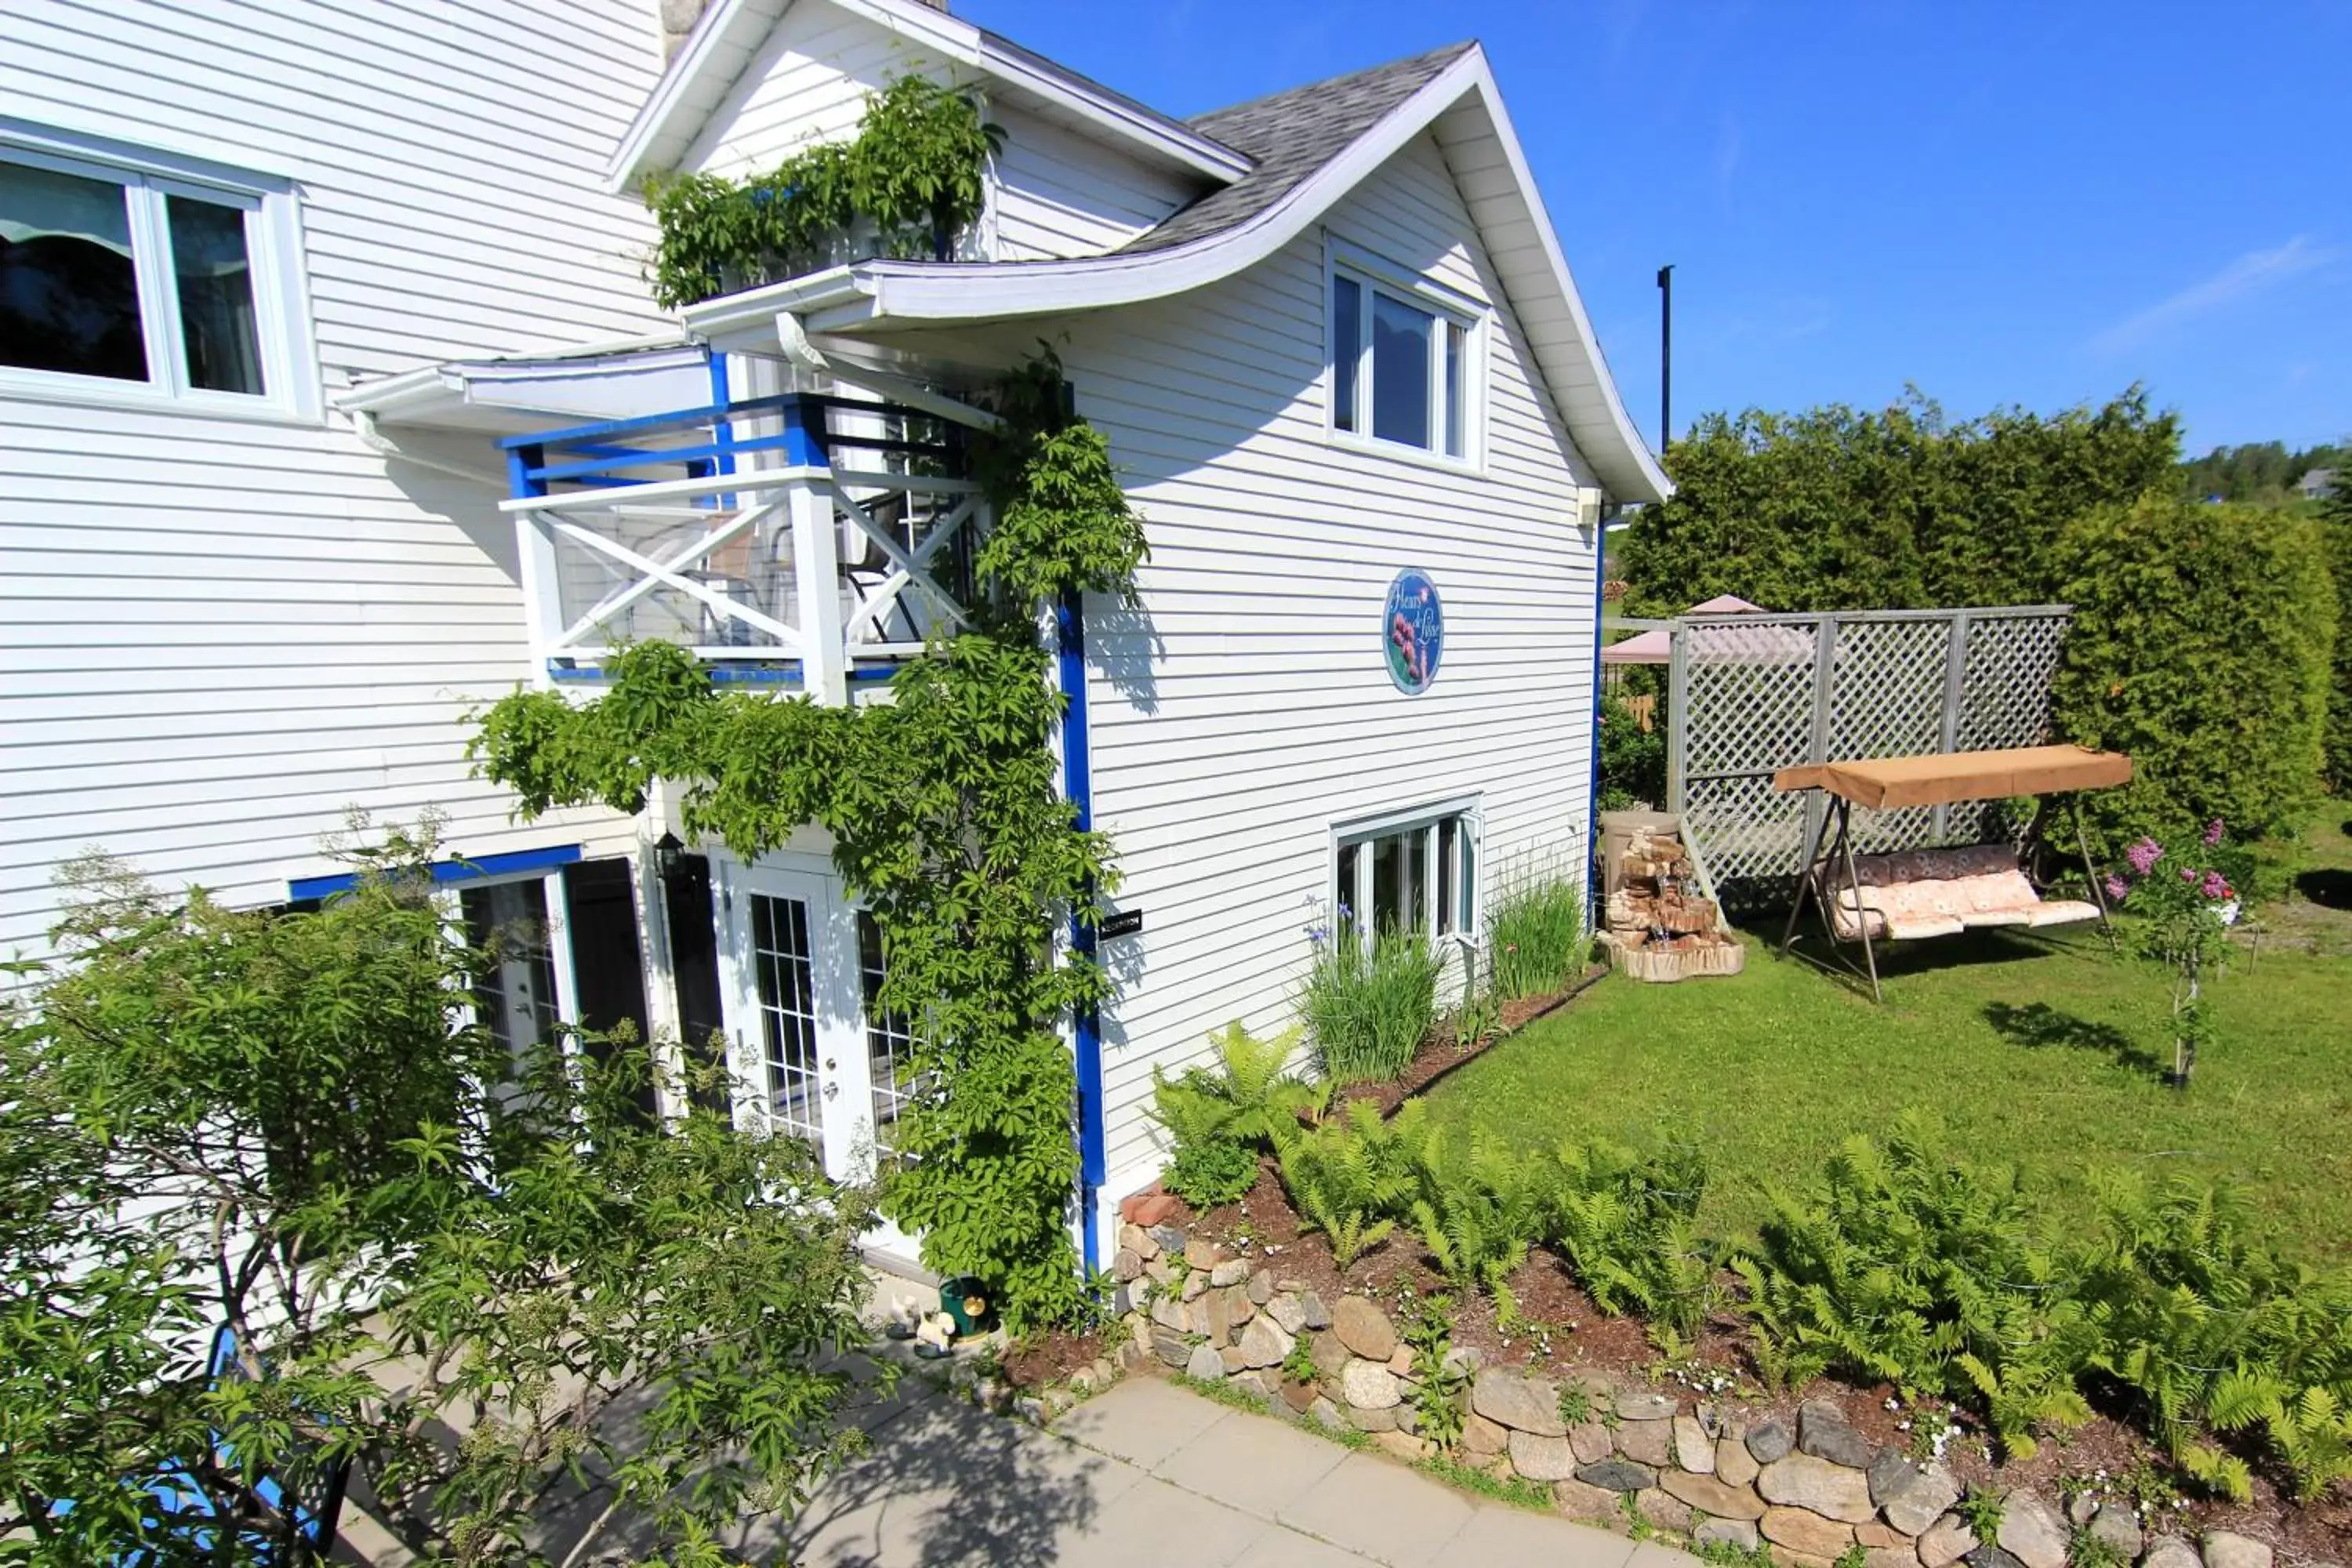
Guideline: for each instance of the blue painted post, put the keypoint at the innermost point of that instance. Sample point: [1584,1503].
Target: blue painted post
[722,429]
[1078,786]
[542,605]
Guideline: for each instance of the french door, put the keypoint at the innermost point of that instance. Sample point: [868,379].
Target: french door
[814,1058]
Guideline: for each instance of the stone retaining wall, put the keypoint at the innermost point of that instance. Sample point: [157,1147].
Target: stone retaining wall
[1813,1488]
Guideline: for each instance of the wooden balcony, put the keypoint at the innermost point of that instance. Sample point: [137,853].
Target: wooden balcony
[805,540]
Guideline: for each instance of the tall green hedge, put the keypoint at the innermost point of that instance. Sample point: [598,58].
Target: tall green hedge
[2335,526]
[1899,508]
[2201,643]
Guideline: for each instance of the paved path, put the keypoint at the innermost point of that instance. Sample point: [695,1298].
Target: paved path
[1147,1475]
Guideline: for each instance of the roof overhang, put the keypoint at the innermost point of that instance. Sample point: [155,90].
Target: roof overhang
[513,396]
[1462,107]
[730,33]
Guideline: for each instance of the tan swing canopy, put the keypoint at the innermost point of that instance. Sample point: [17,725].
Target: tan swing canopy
[1886,784]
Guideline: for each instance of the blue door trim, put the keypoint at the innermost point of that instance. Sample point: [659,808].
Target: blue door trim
[454,870]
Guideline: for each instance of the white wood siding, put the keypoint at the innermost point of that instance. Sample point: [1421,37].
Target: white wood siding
[218,635]
[1249,708]
[1054,193]
[1060,194]
[807,83]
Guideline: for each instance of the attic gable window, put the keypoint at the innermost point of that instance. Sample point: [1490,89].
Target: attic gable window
[1404,364]
[132,278]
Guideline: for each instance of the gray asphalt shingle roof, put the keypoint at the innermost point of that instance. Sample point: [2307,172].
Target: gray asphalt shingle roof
[1288,136]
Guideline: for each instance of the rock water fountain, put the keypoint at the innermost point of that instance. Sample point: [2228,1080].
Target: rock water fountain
[1660,927]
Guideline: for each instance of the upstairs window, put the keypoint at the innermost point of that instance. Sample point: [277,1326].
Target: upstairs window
[130,283]
[1402,365]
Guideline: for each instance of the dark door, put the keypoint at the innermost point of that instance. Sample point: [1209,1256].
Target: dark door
[608,963]
[694,970]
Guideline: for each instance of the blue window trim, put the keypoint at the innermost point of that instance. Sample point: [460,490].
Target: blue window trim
[455,871]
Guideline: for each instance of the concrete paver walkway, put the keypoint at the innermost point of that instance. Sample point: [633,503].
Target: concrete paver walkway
[1147,1475]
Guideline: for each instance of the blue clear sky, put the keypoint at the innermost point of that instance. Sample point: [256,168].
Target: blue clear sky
[2000,201]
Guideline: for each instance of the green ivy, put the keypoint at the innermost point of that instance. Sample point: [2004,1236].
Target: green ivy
[917,170]
[947,825]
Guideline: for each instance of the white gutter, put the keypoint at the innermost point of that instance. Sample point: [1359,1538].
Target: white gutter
[363,422]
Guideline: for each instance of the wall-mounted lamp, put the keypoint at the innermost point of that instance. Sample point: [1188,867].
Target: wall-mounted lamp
[667,855]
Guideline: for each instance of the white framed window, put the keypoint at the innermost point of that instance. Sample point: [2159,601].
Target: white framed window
[1408,359]
[1414,870]
[145,278]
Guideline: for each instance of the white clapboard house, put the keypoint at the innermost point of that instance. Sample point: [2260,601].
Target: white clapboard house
[333,404]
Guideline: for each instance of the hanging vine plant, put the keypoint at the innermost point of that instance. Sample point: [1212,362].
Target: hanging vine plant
[947,825]
[917,172]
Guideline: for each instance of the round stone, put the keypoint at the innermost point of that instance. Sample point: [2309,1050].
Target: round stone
[1368,1386]
[1364,1328]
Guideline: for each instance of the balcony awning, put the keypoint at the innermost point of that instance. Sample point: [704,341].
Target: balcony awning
[515,394]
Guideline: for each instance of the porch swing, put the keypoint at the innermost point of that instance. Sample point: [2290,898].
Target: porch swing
[1911,894]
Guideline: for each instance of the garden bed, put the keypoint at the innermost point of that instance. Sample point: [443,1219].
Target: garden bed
[1444,1051]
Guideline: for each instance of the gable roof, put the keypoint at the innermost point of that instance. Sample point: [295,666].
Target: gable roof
[1451,97]
[1288,135]
[728,39]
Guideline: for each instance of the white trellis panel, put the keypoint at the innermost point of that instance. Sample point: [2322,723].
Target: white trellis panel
[1753,693]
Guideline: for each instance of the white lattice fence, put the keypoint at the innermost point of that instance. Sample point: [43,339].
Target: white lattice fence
[1750,694]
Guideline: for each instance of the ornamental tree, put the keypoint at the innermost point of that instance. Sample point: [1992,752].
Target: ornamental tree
[2187,890]
[290,1125]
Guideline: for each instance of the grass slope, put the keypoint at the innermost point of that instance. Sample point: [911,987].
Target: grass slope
[2040,1051]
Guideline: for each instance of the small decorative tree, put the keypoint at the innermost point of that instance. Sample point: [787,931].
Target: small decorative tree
[2186,893]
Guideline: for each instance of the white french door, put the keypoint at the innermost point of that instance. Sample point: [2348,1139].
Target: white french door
[794,986]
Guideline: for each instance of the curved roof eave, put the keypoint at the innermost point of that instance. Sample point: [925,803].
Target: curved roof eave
[1465,108]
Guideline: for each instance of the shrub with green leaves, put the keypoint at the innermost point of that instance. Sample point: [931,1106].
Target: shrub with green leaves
[1426,1325]
[1907,1267]
[1369,1003]
[282,1123]
[1534,936]
[2201,646]
[916,170]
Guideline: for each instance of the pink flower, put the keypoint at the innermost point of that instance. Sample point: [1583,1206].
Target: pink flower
[2188,874]
[2215,888]
[2213,831]
[2116,887]
[2144,855]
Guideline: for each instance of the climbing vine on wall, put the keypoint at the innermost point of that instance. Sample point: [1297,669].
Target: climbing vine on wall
[916,170]
[947,825]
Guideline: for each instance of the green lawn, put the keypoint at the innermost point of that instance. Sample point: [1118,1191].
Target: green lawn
[2033,1051]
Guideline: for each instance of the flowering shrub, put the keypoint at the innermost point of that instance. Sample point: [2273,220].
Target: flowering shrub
[2187,891]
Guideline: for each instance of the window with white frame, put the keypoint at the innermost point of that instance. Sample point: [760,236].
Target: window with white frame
[161,279]
[1404,364]
[1418,871]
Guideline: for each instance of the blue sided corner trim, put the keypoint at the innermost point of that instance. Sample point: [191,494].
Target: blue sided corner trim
[1077,787]
[454,870]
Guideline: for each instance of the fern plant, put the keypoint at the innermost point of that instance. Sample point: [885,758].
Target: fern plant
[1907,1268]
[1218,1118]
[2309,1429]
[1351,1179]
[2208,1328]
[1478,1212]
[1626,1223]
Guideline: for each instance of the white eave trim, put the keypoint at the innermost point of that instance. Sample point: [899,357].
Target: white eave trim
[918,293]
[653,138]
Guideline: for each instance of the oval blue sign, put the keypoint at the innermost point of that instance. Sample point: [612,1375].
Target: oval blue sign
[1412,631]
